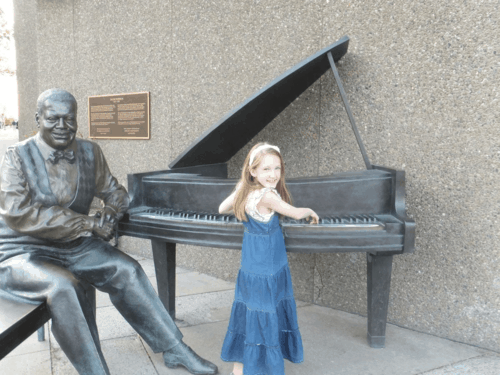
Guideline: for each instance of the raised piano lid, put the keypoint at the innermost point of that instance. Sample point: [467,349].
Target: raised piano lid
[231,133]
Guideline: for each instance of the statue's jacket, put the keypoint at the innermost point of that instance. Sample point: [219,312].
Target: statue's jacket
[31,217]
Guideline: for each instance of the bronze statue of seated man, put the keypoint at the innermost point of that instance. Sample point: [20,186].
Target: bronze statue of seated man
[49,245]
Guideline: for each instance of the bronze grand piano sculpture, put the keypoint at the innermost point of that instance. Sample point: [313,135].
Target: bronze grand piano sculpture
[180,205]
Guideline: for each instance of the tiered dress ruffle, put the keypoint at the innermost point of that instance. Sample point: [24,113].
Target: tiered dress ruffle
[263,327]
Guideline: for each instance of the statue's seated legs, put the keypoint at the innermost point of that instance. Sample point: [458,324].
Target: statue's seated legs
[56,279]
[73,321]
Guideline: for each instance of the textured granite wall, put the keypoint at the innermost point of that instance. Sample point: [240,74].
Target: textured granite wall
[27,67]
[422,79]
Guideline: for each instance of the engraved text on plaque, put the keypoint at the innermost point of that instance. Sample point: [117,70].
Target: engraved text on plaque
[123,116]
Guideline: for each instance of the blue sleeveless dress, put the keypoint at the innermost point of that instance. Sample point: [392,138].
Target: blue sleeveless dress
[263,327]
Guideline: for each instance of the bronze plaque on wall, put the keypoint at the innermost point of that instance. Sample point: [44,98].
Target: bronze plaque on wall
[122,116]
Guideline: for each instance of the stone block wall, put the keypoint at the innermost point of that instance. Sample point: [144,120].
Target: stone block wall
[422,78]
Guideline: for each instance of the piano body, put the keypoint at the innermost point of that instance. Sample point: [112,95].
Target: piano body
[360,211]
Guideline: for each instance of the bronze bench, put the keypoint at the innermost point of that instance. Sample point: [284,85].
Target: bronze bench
[20,318]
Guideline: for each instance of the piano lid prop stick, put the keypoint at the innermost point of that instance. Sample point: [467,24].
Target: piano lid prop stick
[349,113]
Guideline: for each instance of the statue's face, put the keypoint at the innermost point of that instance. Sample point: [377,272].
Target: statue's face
[57,122]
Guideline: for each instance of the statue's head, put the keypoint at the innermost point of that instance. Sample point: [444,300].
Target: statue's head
[56,118]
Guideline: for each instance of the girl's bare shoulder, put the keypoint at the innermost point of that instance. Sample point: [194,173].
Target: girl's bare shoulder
[270,194]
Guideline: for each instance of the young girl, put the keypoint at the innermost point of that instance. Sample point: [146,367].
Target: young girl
[263,325]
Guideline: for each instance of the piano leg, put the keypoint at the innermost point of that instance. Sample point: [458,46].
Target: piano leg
[379,269]
[164,259]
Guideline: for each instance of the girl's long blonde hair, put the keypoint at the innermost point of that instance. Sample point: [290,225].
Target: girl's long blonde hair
[248,184]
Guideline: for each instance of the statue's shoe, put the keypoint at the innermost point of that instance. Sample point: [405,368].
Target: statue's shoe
[183,355]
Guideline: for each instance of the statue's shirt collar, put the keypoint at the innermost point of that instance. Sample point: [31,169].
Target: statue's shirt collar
[46,150]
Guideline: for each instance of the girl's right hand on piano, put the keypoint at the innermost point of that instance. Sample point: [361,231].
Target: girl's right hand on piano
[313,217]
[273,202]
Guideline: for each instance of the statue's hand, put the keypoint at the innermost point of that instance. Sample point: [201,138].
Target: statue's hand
[107,214]
[103,229]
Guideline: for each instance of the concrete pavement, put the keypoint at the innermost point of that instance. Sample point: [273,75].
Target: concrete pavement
[334,341]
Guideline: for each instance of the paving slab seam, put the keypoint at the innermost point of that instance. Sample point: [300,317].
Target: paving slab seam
[147,353]
[51,346]
[184,324]
[119,337]
[454,364]
[413,330]
[27,353]
[197,294]
[199,324]
[441,337]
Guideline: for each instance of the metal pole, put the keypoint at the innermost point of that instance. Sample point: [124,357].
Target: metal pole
[349,113]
